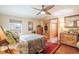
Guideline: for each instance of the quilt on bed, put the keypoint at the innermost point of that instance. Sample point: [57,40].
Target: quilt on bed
[32,46]
[35,46]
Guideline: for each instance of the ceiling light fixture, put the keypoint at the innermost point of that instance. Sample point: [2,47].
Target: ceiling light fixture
[42,12]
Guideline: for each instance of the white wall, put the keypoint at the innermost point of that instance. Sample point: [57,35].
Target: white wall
[4,21]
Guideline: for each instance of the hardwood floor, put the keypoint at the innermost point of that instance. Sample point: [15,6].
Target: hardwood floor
[64,49]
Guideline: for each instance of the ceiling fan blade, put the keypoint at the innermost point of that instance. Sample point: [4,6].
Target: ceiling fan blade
[49,7]
[38,13]
[47,12]
[35,8]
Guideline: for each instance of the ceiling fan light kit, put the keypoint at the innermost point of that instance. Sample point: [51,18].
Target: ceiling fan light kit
[43,12]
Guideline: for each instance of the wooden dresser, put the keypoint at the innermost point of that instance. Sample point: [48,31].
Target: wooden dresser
[68,39]
[39,30]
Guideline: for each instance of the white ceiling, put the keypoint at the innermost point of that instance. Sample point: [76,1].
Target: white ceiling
[21,11]
[27,11]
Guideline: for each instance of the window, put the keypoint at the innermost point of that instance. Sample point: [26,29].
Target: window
[15,26]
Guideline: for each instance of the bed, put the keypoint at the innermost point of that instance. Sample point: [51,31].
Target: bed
[31,43]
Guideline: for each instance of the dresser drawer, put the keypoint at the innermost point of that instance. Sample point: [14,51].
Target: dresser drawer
[68,39]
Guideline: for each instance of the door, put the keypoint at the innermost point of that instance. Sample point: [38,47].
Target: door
[54,28]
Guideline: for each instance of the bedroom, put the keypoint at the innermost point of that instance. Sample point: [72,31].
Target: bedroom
[23,22]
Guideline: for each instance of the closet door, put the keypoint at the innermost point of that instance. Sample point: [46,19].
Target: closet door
[53,28]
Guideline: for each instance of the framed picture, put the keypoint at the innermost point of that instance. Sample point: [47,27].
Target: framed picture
[30,25]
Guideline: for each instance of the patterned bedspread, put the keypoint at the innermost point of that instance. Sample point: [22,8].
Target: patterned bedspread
[36,45]
[31,46]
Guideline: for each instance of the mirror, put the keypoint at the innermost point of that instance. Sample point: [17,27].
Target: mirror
[71,21]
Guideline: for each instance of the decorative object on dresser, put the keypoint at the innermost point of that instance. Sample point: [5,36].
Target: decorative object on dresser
[68,39]
[39,29]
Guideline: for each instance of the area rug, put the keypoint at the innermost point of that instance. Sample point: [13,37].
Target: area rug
[50,48]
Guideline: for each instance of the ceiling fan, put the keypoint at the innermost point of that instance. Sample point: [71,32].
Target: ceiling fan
[44,9]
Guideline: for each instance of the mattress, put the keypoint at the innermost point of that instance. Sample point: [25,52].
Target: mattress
[31,43]
[28,37]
